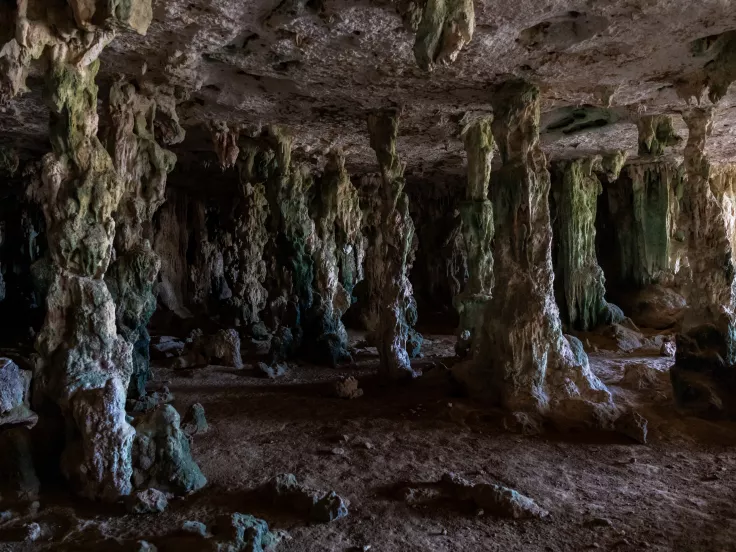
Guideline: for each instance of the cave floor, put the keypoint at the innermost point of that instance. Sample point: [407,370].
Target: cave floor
[603,490]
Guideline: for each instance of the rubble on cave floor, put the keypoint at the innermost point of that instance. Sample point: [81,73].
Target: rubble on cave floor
[586,487]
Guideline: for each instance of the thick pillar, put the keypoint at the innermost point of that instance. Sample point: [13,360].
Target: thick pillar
[477,227]
[704,374]
[521,360]
[143,166]
[85,365]
[579,281]
[392,245]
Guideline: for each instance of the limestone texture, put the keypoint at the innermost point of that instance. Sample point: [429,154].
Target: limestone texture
[579,281]
[521,360]
[703,375]
[392,247]
[477,229]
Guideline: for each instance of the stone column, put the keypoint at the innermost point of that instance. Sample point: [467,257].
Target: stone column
[251,235]
[338,212]
[704,374]
[293,241]
[393,245]
[521,360]
[143,166]
[645,208]
[477,228]
[579,281]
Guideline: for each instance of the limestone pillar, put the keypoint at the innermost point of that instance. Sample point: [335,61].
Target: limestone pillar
[143,165]
[392,245]
[477,227]
[704,375]
[579,281]
[521,360]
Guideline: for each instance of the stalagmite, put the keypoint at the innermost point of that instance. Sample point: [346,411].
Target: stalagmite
[521,360]
[338,218]
[477,226]
[392,245]
[579,281]
[143,165]
[442,27]
[703,374]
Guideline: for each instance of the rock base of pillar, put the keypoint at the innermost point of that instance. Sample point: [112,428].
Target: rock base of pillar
[703,382]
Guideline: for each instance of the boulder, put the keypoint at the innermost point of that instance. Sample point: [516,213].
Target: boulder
[17,473]
[148,501]
[272,371]
[284,491]
[194,421]
[347,388]
[242,532]
[655,306]
[161,454]
[14,395]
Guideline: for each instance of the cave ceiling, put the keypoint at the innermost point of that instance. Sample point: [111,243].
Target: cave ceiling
[318,66]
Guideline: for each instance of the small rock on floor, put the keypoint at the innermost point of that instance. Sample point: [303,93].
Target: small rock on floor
[149,501]
[347,388]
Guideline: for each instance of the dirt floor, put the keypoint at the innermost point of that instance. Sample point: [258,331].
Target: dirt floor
[603,490]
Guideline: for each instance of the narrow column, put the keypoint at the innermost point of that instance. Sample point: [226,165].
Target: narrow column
[579,281]
[143,166]
[477,227]
[704,375]
[521,360]
[326,339]
[393,245]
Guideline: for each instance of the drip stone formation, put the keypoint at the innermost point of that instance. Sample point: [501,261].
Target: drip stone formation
[391,275]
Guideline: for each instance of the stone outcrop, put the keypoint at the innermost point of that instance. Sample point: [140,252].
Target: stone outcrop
[579,281]
[521,359]
[703,374]
[392,245]
[477,228]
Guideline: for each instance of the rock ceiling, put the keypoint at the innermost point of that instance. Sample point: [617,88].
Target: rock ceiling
[318,66]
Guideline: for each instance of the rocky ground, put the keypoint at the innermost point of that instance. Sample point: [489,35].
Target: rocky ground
[383,450]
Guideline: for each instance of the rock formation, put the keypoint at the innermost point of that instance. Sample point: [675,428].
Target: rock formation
[338,219]
[143,165]
[645,207]
[442,27]
[392,246]
[579,281]
[521,360]
[703,376]
[477,224]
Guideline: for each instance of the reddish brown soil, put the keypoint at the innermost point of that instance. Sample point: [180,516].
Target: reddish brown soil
[603,491]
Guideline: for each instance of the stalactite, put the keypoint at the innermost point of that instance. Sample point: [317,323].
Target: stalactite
[477,219]
[655,134]
[143,165]
[521,360]
[225,142]
[703,374]
[442,27]
[579,281]
[393,245]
